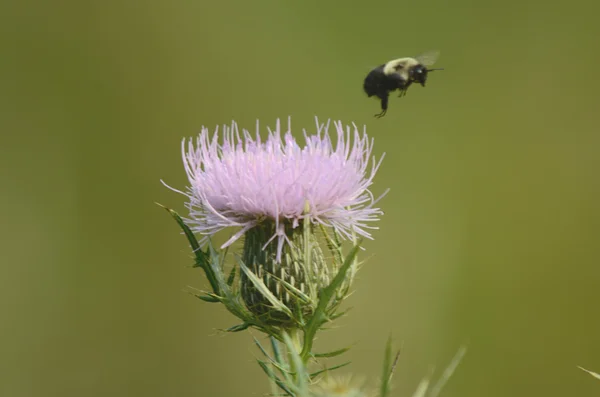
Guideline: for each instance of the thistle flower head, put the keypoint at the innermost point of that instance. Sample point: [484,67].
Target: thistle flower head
[240,181]
[339,386]
[276,192]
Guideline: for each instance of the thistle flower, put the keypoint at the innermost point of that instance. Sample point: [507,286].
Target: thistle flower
[269,191]
[242,181]
[339,386]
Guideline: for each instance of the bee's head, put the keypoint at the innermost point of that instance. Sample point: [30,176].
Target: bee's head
[419,74]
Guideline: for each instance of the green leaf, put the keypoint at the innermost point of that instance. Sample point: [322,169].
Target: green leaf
[437,388]
[238,328]
[331,354]
[201,257]
[387,368]
[340,314]
[319,316]
[188,233]
[265,367]
[422,388]
[207,298]
[276,362]
[279,362]
[335,246]
[276,350]
[217,270]
[223,256]
[329,369]
[231,277]
[262,349]
[595,375]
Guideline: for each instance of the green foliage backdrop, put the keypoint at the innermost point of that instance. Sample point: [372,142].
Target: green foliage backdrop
[491,227]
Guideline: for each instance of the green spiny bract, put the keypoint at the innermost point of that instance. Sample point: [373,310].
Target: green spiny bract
[295,281]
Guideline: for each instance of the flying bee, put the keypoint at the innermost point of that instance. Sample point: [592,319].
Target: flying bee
[398,74]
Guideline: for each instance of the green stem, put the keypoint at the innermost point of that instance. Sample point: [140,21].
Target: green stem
[308,343]
[295,337]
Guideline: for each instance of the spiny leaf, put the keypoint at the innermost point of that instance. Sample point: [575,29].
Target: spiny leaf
[422,388]
[188,233]
[276,351]
[335,246]
[231,276]
[265,367]
[387,367]
[339,314]
[331,354]
[276,362]
[224,255]
[595,375]
[393,367]
[219,276]
[279,362]
[448,372]
[238,328]
[328,369]
[319,316]
[207,298]
[215,265]
[262,349]
[201,256]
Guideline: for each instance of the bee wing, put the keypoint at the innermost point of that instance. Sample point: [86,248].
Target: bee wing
[428,58]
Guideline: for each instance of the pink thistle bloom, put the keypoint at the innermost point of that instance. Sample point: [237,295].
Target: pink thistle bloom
[244,181]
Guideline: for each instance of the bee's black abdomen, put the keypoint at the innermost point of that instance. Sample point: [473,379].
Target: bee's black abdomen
[380,85]
[374,81]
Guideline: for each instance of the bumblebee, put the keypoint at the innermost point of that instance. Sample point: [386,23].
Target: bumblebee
[398,74]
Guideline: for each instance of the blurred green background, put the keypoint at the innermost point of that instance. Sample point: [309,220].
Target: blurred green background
[491,228]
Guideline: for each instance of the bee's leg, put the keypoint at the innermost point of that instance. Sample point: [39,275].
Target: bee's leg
[404,88]
[380,115]
[384,105]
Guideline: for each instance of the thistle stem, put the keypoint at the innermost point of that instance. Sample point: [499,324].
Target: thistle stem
[296,340]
